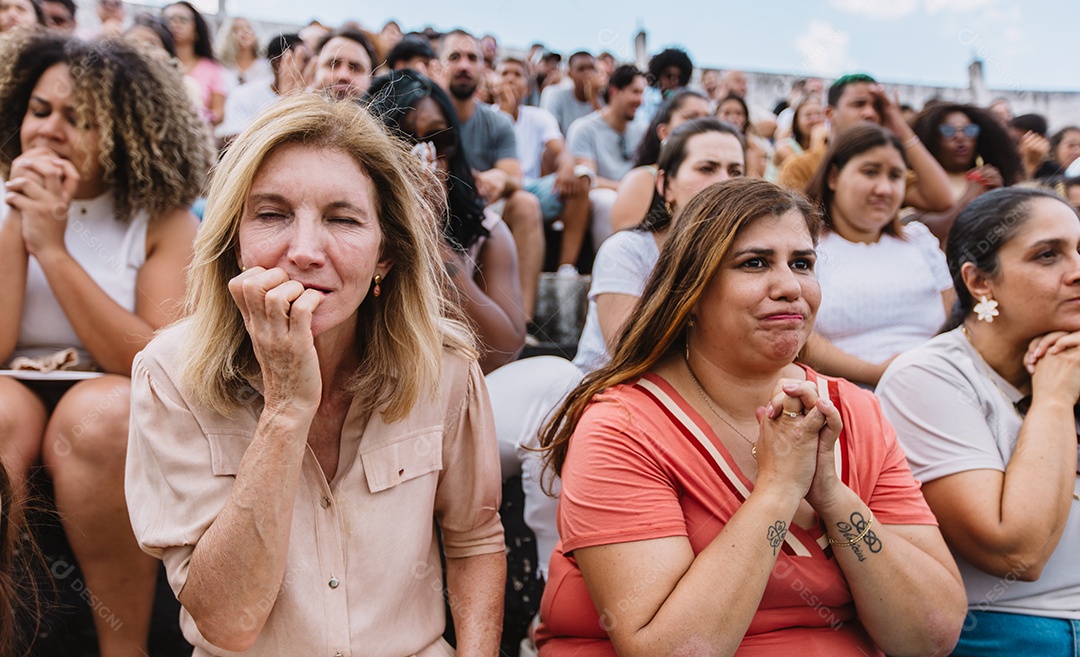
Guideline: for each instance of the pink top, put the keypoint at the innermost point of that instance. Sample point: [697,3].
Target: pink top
[643,464]
[212,80]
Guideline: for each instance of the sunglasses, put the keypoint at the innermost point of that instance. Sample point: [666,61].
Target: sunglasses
[971,130]
[444,141]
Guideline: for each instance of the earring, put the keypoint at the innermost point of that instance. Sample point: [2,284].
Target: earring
[667,208]
[986,309]
[690,322]
[378,290]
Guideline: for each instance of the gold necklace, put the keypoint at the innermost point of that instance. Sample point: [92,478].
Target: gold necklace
[716,411]
[990,372]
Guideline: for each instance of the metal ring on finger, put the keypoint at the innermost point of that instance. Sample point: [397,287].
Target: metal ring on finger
[791,414]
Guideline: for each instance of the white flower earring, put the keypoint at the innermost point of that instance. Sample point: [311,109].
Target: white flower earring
[986,309]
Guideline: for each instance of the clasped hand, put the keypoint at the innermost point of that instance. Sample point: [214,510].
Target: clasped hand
[40,190]
[277,313]
[798,451]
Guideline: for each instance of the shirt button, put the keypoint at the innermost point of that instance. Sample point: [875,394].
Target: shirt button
[326,502]
[334,583]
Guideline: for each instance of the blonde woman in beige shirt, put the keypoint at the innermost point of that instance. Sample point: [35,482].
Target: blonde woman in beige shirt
[298,439]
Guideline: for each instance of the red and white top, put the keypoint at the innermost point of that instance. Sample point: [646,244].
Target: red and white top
[643,464]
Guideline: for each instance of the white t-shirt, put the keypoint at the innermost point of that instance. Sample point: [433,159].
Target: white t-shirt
[243,104]
[952,414]
[534,128]
[110,252]
[622,266]
[881,299]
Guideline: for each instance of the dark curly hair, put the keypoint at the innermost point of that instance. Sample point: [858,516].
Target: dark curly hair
[671,57]
[391,98]
[995,144]
[153,148]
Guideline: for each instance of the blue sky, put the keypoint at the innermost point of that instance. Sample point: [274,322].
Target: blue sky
[1028,46]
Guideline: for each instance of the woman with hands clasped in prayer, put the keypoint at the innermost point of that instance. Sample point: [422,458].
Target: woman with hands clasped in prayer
[299,440]
[716,496]
[987,414]
[95,233]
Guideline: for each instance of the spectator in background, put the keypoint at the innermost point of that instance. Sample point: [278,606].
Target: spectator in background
[344,63]
[1064,149]
[478,253]
[800,88]
[313,34]
[1001,109]
[710,84]
[239,52]
[696,154]
[884,284]
[112,16]
[977,154]
[605,141]
[734,110]
[548,71]
[669,70]
[808,129]
[638,187]
[60,15]
[413,51]
[569,104]
[1071,192]
[94,258]
[856,98]
[288,56]
[490,146]
[389,36]
[191,34]
[548,168]
[21,13]
[1029,131]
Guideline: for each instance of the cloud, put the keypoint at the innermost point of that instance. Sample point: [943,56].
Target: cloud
[877,8]
[958,6]
[824,49]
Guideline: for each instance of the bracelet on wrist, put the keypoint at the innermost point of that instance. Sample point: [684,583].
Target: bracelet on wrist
[861,536]
[911,142]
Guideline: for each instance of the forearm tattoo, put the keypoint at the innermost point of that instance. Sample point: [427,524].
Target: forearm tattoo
[777,534]
[851,530]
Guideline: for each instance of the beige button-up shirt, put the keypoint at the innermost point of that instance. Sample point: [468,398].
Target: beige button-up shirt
[362,575]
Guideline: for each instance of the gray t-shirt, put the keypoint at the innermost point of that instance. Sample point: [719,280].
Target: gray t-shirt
[952,413]
[591,137]
[561,102]
[488,136]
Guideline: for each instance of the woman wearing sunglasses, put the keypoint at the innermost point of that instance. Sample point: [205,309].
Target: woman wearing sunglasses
[977,153]
[478,249]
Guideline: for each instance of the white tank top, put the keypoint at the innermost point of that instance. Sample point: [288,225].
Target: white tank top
[111,253]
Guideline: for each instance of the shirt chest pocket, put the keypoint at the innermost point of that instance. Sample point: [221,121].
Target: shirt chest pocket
[227,449]
[405,458]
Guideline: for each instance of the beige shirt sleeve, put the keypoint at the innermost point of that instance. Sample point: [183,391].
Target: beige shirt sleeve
[470,484]
[173,498]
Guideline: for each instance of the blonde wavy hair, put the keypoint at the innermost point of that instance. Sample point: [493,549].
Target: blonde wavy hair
[227,48]
[153,147]
[400,336]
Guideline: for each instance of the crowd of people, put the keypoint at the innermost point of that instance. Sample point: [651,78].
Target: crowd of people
[271,314]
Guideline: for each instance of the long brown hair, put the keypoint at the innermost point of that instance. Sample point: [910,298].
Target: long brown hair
[691,256]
